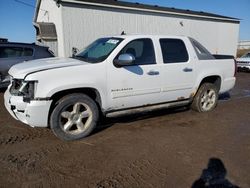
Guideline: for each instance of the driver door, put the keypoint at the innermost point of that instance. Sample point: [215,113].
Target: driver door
[137,84]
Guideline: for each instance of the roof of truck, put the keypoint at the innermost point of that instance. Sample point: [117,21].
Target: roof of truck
[132,36]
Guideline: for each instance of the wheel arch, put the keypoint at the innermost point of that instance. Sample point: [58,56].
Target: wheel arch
[90,92]
[214,79]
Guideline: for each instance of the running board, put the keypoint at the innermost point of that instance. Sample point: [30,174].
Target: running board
[147,108]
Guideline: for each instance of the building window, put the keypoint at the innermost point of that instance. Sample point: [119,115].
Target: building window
[173,51]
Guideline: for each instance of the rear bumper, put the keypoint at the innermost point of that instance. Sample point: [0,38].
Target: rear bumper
[228,84]
[34,114]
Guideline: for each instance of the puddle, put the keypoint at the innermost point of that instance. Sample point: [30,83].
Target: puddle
[235,95]
[224,97]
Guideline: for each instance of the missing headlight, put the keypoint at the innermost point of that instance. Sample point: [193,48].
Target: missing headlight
[28,91]
[23,88]
[15,86]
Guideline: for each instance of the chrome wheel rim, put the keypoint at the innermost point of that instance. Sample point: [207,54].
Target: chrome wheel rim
[208,100]
[76,118]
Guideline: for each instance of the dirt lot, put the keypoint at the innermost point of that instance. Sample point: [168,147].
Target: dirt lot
[167,148]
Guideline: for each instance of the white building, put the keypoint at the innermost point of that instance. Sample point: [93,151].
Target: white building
[64,24]
[245,44]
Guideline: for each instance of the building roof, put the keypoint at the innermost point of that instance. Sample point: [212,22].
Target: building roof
[147,8]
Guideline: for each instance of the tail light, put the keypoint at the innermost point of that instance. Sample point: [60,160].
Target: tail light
[235,67]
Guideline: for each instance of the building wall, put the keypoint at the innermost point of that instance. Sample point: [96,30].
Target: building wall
[84,24]
[50,12]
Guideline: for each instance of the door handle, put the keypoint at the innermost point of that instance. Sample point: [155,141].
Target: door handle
[153,73]
[188,69]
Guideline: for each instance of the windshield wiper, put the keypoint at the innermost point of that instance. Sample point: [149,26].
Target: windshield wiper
[79,57]
[85,59]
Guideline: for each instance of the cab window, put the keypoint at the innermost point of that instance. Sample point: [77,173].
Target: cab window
[142,50]
[173,51]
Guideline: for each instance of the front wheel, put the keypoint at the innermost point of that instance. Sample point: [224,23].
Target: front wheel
[206,98]
[74,117]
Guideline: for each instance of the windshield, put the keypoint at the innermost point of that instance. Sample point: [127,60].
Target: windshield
[246,55]
[99,50]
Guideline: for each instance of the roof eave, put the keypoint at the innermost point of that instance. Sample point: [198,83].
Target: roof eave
[233,20]
[38,3]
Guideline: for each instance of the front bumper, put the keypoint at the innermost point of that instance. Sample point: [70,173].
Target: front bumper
[243,66]
[34,114]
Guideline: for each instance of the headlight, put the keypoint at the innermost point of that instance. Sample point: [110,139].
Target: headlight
[28,90]
[23,88]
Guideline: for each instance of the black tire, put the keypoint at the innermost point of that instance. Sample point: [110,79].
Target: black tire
[198,103]
[74,117]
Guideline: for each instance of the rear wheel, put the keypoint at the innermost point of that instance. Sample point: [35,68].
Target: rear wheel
[74,117]
[206,98]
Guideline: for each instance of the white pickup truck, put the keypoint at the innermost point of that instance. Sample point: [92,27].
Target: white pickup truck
[114,75]
[243,63]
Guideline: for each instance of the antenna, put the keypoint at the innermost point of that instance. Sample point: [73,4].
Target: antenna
[123,33]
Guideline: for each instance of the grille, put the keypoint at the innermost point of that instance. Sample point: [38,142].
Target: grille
[243,62]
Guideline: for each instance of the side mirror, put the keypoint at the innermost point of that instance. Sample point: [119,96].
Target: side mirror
[124,60]
[74,51]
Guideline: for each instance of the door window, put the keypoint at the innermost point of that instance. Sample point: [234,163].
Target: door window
[142,50]
[173,51]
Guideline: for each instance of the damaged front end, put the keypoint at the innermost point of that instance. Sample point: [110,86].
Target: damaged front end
[23,88]
[21,103]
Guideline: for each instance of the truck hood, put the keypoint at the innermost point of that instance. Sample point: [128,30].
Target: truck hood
[20,70]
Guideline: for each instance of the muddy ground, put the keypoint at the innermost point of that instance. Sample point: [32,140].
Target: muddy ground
[167,148]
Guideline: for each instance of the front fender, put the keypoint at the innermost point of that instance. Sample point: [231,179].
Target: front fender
[53,81]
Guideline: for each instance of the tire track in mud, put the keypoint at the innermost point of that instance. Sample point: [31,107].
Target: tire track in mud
[29,159]
[136,174]
[20,138]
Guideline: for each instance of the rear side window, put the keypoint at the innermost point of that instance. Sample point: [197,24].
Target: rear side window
[173,51]
[12,52]
[201,52]
[142,50]
[8,52]
[27,52]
